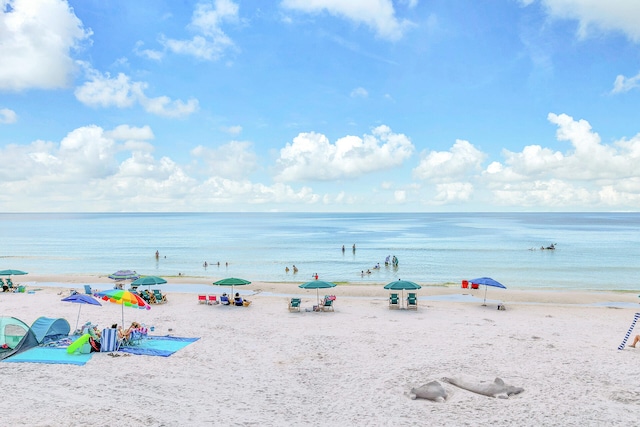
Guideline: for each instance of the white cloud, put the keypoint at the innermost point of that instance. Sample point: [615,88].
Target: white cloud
[625,84]
[618,15]
[209,41]
[104,91]
[155,55]
[359,92]
[233,130]
[38,38]
[232,160]
[376,14]
[589,175]
[82,173]
[7,116]
[448,166]
[312,157]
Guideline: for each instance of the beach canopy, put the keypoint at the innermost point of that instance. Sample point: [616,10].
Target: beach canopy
[12,272]
[81,299]
[48,329]
[487,281]
[317,284]
[15,337]
[232,281]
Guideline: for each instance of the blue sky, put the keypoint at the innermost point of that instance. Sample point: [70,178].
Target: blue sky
[319,105]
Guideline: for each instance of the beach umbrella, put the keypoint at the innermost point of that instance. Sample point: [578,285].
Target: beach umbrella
[124,298]
[124,275]
[317,284]
[487,281]
[149,281]
[231,281]
[81,299]
[401,285]
[12,272]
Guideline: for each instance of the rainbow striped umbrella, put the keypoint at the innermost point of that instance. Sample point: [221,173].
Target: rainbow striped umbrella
[122,297]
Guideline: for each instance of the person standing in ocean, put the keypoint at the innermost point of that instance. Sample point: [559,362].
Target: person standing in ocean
[354,248]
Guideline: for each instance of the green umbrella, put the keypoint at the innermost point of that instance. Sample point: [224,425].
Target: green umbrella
[402,285]
[12,272]
[317,284]
[231,281]
[148,280]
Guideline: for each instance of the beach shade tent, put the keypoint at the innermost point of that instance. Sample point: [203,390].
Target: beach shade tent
[232,281]
[401,285]
[81,299]
[124,298]
[48,329]
[317,285]
[148,281]
[487,281]
[15,337]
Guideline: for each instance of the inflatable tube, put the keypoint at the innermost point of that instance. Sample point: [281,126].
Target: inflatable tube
[78,343]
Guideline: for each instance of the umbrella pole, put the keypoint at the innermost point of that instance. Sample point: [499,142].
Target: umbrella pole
[78,319]
[485,295]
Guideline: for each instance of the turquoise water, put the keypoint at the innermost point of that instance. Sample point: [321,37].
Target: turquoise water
[594,250]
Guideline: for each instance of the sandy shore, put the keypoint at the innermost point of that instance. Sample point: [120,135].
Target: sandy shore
[263,365]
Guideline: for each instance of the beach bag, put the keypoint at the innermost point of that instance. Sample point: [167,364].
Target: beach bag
[95,345]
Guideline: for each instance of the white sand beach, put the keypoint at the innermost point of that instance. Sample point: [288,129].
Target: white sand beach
[262,365]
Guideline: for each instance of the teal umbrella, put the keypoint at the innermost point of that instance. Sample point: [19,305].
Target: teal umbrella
[232,281]
[148,280]
[317,284]
[12,272]
[402,285]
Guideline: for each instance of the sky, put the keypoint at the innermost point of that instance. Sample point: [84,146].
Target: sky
[319,105]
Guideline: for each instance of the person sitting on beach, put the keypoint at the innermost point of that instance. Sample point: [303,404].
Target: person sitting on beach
[238,300]
[224,299]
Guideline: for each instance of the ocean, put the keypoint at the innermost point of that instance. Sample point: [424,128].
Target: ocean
[594,251]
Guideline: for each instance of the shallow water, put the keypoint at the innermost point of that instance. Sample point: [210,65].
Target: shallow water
[594,250]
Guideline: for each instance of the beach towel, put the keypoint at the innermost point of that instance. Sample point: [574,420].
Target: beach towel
[51,355]
[109,340]
[163,346]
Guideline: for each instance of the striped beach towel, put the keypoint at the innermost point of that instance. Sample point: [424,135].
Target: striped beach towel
[109,340]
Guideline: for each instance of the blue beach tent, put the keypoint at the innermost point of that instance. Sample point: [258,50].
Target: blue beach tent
[15,337]
[48,329]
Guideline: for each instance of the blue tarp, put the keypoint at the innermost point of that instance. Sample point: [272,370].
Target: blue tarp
[163,346]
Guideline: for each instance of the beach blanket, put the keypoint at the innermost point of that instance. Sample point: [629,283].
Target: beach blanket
[54,355]
[163,346]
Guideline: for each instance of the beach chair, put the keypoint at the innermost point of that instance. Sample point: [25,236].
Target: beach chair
[109,340]
[475,286]
[87,290]
[202,299]
[327,304]
[294,304]
[213,300]
[160,299]
[412,301]
[394,301]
